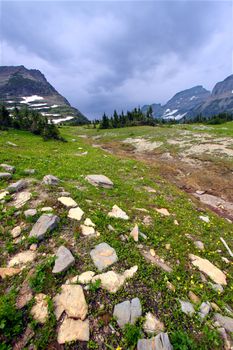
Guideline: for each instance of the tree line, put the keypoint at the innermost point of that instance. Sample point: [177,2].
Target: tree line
[29,120]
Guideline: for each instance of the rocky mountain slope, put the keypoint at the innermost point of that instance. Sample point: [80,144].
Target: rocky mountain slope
[22,86]
[197,100]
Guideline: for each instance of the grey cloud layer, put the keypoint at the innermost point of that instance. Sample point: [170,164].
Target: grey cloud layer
[106,55]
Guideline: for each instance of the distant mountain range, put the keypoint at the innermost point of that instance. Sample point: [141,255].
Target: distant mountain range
[21,86]
[195,101]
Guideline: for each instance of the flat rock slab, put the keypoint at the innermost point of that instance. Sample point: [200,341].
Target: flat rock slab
[127,312]
[160,342]
[103,256]
[39,311]
[8,272]
[46,223]
[17,186]
[76,214]
[50,180]
[5,176]
[67,202]
[99,180]
[64,259]
[20,199]
[73,330]
[22,258]
[225,321]
[72,301]
[8,168]
[118,213]
[209,269]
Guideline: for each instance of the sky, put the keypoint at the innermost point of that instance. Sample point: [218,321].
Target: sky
[106,55]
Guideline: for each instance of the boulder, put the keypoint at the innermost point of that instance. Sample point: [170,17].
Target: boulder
[160,342]
[46,223]
[152,325]
[67,202]
[5,176]
[127,312]
[99,180]
[50,180]
[8,168]
[103,256]
[118,213]
[22,258]
[17,186]
[75,213]
[73,330]
[39,311]
[64,259]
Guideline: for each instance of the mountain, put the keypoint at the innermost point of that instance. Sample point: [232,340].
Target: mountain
[21,86]
[195,101]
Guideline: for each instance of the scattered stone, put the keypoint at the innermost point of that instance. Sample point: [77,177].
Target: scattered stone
[33,247]
[87,230]
[141,234]
[21,198]
[88,222]
[64,259]
[147,220]
[39,311]
[112,281]
[134,233]
[8,272]
[73,330]
[200,193]
[29,171]
[216,287]
[193,297]
[86,277]
[150,189]
[50,180]
[168,246]
[228,344]
[72,301]
[17,186]
[187,307]
[118,213]
[24,296]
[99,180]
[163,211]
[11,144]
[204,309]
[209,269]
[176,223]
[156,260]
[3,194]
[65,194]
[225,321]
[205,218]
[127,312]
[67,202]
[46,223]
[160,342]
[22,258]
[103,256]
[171,287]
[16,231]
[111,228]
[46,209]
[214,307]
[8,168]
[75,213]
[152,252]
[5,176]
[152,324]
[199,245]
[30,213]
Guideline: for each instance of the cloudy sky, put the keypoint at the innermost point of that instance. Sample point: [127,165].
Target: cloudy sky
[103,55]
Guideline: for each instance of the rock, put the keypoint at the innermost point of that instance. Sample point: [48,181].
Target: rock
[16,231]
[64,259]
[72,301]
[168,246]
[88,222]
[225,321]
[199,245]
[75,213]
[134,233]
[150,189]
[46,223]
[21,198]
[156,260]
[8,272]
[152,252]
[147,220]
[204,309]
[67,202]
[152,325]
[73,330]
[46,209]
[87,230]
[118,213]
[127,312]
[113,281]
[216,287]
[199,192]
[205,218]
[163,211]
[86,277]
[24,296]
[171,287]
[176,223]
[193,297]
[111,228]
[33,247]
[103,256]
[30,213]
[187,307]
[17,186]
[39,311]
[160,342]
[209,269]
[8,168]
[11,144]
[99,180]
[3,194]
[215,307]
[50,180]
[22,258]
[5,176]
[29,171]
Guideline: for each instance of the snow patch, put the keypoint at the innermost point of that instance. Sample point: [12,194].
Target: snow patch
[32,98]
[193,98]
[60,120]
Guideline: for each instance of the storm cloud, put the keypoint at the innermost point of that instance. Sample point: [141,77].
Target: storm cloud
[117,55]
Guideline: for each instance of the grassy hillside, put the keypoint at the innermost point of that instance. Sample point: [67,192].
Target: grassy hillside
[171,237]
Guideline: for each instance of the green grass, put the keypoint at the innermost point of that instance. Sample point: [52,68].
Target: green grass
[129,177]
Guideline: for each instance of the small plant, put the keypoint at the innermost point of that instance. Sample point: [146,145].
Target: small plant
[40,278]
[181,341]
[132,333]
[92,345]
[94,286]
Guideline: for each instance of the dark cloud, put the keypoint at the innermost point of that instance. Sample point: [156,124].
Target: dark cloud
[106,55]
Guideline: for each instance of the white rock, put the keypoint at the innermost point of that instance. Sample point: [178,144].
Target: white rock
[86,277]
[87,230]
[21,198]
[163,211]
[199,245]
[118,213]
[73,330]
[205,218]
[152,324]
[22,258]
[67,202]
[187,307]
[134,233]
[75,213]
[46,209]
[30,212]
[39,311]
[103,256]
[16,232]
[99,180]
[88,222]
[3,194]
